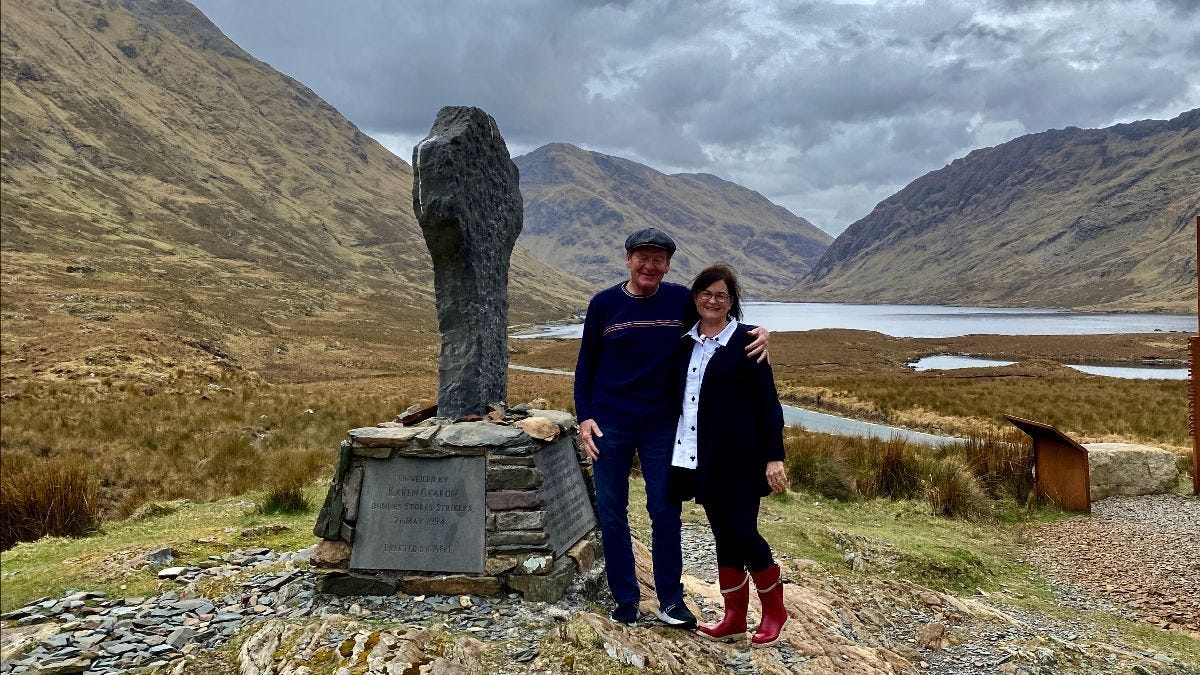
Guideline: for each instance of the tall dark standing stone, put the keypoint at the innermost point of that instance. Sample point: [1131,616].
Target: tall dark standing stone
[467,199]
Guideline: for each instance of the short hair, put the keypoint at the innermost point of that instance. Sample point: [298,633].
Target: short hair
[711,275]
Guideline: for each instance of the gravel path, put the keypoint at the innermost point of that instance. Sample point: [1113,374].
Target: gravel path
[1141,554]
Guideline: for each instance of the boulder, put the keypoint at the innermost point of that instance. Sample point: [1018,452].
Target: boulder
[1128,469]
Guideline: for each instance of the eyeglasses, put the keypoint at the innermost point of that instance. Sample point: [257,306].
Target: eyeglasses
[709,296]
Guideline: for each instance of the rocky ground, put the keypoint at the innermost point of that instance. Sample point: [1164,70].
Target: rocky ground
[1140,554]
[258,608]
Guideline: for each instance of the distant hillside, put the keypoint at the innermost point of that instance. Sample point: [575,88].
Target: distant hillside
[152,166]
[1101,218]
[580,206]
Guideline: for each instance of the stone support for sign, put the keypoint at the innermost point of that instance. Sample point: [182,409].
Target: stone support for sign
[467,199]
[477,507]
[1128,469]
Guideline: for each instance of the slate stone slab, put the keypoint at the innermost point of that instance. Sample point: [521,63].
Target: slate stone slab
[569,513]
[354,584]
[479,434]
[563,419]
[466,197]
[453,584]
[421,515]
[513,478]
[329,521]
[390,437]
[506,500]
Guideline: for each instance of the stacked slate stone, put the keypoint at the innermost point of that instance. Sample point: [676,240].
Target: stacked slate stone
[503,503]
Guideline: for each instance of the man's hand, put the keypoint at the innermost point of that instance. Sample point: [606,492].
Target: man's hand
[776,476]
[588,430]
[759,346]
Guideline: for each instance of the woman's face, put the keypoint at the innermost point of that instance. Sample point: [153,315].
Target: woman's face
[712,303]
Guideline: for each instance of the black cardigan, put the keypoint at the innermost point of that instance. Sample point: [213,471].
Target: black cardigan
[739,421]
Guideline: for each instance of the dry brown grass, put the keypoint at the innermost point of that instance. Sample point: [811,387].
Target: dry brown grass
[957,480]
[1087,407]
[193,438]
[46,497]
[152,416]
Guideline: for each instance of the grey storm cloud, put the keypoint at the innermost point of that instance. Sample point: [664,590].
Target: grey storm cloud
[825,108]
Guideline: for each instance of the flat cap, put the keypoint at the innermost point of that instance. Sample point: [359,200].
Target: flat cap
[650,236]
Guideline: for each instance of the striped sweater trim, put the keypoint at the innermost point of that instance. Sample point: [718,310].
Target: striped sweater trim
[670,323]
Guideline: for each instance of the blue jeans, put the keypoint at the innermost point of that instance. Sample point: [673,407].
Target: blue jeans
[611,472]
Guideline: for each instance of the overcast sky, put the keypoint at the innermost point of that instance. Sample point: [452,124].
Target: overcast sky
[825,108]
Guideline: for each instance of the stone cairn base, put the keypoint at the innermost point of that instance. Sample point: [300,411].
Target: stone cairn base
[537,534]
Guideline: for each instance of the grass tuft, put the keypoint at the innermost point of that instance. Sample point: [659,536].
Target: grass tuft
[953,491]
[287,480]
[957,480]
[40,497]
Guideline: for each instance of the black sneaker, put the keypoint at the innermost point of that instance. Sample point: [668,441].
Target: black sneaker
[677,616]
[626,614]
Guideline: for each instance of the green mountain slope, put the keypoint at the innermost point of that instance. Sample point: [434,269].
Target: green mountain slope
[580,206]
[1101,218]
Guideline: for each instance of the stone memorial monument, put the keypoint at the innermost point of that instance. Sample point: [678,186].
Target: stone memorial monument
[482,498]
[467,198]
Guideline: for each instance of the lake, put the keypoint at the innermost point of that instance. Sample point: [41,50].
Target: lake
[934,321]
[1146,372]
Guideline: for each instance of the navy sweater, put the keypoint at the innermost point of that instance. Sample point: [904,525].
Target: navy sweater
[624,373]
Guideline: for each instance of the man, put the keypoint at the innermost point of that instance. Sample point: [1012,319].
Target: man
[625,403]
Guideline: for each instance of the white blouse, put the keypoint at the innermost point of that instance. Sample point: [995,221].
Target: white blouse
[685,432]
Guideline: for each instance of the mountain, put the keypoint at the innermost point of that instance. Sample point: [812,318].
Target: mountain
[1097,218]
[150,164]
[580,206]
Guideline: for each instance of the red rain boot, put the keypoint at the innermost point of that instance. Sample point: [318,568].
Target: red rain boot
[770,591]
[735,590]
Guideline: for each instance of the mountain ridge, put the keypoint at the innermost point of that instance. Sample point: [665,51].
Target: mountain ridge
[580,205]
[1082,218]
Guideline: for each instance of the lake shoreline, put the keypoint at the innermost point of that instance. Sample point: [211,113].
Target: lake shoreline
[926,321]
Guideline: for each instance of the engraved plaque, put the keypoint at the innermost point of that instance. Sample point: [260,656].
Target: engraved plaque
[569,514]
[420,514]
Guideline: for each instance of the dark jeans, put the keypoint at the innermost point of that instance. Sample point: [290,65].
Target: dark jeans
[735,528]
[611,472]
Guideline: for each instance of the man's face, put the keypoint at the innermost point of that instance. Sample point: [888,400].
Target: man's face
[647,267]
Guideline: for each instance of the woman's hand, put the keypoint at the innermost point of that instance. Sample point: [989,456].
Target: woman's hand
[776,476]
[759,346]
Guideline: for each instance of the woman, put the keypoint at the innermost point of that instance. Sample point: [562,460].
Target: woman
[728,451]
